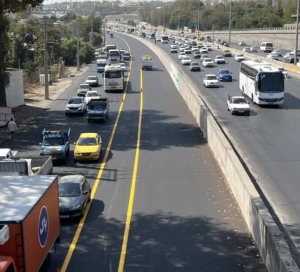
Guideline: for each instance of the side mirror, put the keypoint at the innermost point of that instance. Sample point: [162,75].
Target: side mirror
[85,193]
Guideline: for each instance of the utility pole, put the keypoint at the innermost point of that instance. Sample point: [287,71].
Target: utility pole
[213,37]
[163,15]
[297,34]
[78,49]
[198,20]
[104,34]
[46,21]
[229,30]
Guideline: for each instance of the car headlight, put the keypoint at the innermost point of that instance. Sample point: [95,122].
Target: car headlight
[94,153]
[76,206]
[77,154]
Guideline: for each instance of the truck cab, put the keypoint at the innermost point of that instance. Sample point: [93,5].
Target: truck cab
[55,143]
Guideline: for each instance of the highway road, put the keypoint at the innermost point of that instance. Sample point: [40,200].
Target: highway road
[268,140]
[161,202]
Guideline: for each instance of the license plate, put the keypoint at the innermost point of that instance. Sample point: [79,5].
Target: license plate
[64,216]
[271,103]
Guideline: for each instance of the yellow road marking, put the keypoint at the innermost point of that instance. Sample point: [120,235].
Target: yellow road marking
[133,183]
[98,178]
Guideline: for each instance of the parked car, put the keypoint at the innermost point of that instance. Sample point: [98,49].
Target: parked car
[83,89]
[224,75]
[210,81]
[75,105]
[195,66]
[208,62]
[74,193]
[239,57]
[219,59]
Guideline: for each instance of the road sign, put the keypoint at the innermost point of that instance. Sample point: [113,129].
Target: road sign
[43,226]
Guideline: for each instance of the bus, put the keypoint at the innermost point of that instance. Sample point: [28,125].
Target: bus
[262,82]
[113,78]
[164,39]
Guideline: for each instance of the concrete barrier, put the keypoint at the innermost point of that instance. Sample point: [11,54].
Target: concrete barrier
[266,234]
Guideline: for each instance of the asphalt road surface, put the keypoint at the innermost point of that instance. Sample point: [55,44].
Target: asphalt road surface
[268,140]
[182,216]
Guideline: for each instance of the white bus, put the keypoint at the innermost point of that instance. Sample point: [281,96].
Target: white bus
[113,78]
[262,82]
[164,39]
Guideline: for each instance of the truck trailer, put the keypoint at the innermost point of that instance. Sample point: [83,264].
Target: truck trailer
[29,222]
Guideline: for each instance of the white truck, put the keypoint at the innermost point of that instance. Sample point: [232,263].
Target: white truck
[113,78]
[146,62]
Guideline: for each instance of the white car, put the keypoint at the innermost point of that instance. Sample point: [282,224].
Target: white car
[219,59]
[208,62]
[253,49]
[238,105]
[92,81]
[208,47]
[188,51]
[75,105]
[173,45]
[247,50]
[181,55]
[239,57]
[242,44]
[91,94]
[278,52]
[182,48]
[194,48]
[203,50]
[186,60]
[273,56]
[123,66]
[211,81]
[174,50]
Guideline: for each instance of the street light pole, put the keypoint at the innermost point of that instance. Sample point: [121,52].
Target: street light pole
[213,37]
[229,30]
[297,34]
[198,20]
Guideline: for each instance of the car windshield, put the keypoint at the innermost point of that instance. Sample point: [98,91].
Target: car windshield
[52,141]
[271,82]
[113,74]
[208,60]
[211,77]
[93,94]
[87,141]
[69,189]
[194,64]
[219,57]
[91,78]
[75,100]
[239,101]
[224,72]
[84,86]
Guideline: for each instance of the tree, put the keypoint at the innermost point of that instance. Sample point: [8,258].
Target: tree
[279,9]
[6,7]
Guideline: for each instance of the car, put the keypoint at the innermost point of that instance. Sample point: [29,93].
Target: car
[173,45]
[203,50]
[92,81]
[253,49]
[181,48]
[278,52]
[242,44]
[186,60]
[196,54]
[123,66]
[288,56]
[75,105]
[208,62]
[122,51]
[227,53]
[195,66]
[83,89]
[246,49]
[200,45]
[239,57]
[203,56]
[284,72]
[224,75]
[273,56]
[210,81]
[74,193]
[208,47]
[219,59]
[181,55]
[89,95]
[194,48]
[188,51]
[88,147]
[126,56]
[157,39]
[238,105]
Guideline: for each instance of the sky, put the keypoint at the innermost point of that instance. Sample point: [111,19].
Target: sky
[59,1]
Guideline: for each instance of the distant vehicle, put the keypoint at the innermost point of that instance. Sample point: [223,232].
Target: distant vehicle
[246,49]
[123,66]
[89,95]
[74,194]
[83,89]
[239,57]
[195,48]
[224,75]
[173,48]
[208,47]
[88,147]
[92,81]
[242,44]
[98,109]
[238,105]
[227,53]
[114,53]
[187,51]
[262,82]
[164,39]
[100,65]
[196,54]
[181,55]
[203,50]
[111,35]
[75,105]
[186,60]
[219,59]
[126,56]
[208,62]
[146,62]
[113,78]
[203,56]
[284,72]
[253,49]
[210,81]
[266,47]
[195,66]
[277,52]
[273,56]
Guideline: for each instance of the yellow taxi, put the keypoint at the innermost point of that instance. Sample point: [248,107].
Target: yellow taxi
[88,147]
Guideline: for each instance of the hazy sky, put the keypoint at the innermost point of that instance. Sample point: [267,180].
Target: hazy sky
[58,1]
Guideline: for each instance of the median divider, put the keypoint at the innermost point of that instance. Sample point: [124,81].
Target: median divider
[266,234]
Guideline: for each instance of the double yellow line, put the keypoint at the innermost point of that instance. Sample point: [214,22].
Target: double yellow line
[100,173]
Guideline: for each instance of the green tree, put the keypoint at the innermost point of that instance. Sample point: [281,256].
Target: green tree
[290,8]
[279,9]
[86,53]
[69,48]
[7,7]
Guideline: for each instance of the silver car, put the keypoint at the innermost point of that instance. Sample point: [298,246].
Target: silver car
[92,81]
[83,89]
[74,194]
[75,105]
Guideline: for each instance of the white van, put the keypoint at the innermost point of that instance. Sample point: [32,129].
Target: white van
[266,47]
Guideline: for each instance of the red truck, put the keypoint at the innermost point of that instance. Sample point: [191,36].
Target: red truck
[29,222]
